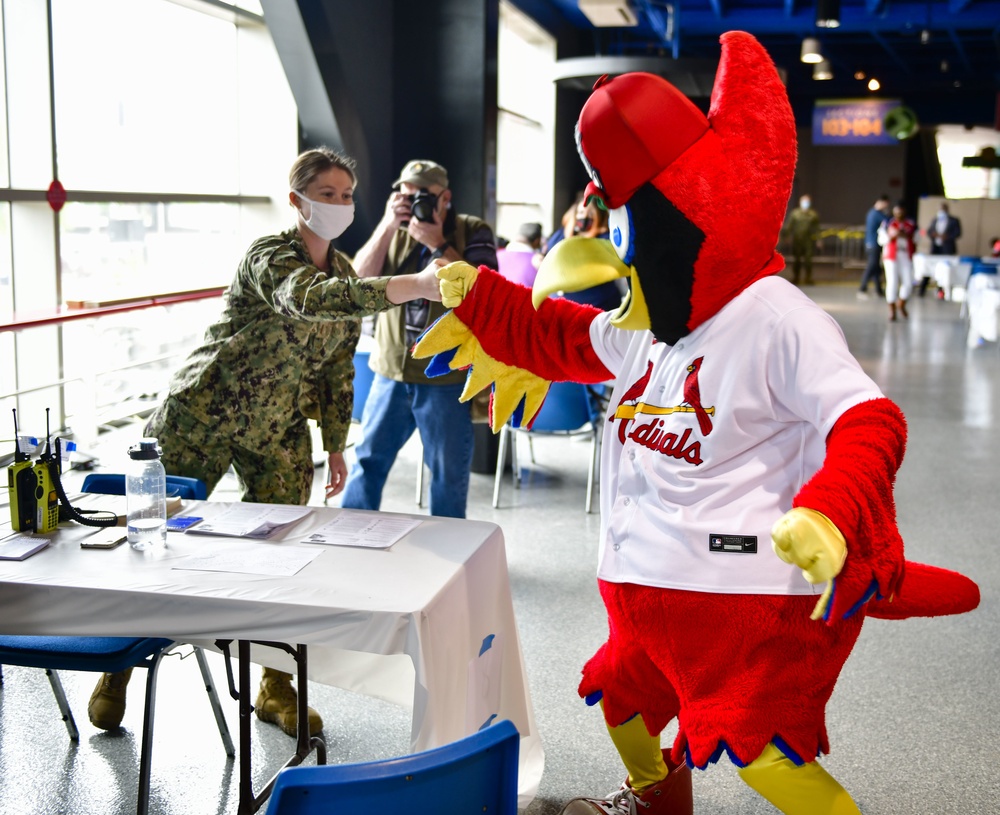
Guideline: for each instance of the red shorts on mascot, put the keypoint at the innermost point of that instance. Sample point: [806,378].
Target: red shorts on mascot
[747,518]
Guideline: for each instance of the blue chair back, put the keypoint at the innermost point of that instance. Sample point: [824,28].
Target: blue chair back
[566,407]
[363,376]
[517,267]
[191,489]
[473,775]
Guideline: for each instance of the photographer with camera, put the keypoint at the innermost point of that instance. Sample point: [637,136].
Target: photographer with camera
[418,228]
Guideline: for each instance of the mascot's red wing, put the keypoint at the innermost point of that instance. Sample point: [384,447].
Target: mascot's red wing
[553,342]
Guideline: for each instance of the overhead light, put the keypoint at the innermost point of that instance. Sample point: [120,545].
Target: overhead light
[609,13]
[828,13]
[925,37]
[810,51]
[822,70]
[873,84]
[859,75]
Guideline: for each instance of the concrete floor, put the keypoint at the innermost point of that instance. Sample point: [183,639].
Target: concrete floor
[913,721]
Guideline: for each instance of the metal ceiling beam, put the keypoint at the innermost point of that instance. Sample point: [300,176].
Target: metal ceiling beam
[717,9]
[955,6]
[890,19]
[903,64]
[875,6]
[962,55]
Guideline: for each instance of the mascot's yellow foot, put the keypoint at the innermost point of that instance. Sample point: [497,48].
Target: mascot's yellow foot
[671,796]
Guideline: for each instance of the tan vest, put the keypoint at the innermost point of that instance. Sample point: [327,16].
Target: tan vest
[391,358]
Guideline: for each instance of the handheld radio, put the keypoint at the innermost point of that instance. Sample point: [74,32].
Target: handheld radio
[21,483]
[46,496]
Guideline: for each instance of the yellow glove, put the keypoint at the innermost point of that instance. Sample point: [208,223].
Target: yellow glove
[808,539]
[512,384]
[456,280]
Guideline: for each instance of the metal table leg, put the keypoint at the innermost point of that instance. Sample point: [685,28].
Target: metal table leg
[250,802]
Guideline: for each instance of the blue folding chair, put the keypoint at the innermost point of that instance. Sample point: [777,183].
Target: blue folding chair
[476,774]
[114,654]
[191,489]
[570,409]
[108,655]
[363,376]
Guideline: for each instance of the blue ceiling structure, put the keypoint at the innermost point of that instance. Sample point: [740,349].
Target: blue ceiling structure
[940,57]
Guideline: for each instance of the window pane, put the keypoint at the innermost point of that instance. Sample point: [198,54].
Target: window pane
[116,251]
[145,97]
[4,159]
[123,362]
[6,274]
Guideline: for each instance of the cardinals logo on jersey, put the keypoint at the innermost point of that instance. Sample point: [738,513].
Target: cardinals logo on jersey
[651,434]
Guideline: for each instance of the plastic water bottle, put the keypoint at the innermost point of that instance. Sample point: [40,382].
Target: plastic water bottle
[146,496]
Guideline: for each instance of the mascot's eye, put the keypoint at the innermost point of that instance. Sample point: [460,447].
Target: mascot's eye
[620,226]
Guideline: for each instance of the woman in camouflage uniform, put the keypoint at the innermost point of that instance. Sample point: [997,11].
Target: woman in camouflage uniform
[281,353]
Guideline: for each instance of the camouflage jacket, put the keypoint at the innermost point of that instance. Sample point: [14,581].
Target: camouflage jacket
[282,351]
[803,224]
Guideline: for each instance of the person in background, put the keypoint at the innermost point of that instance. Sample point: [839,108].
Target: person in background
[280,354]
[566,224]
[897,238]
[529,239]
[803,228]
[943,233]
[873,252]
[418,226]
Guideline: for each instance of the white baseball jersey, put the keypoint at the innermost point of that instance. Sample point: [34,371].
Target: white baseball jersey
[707,442]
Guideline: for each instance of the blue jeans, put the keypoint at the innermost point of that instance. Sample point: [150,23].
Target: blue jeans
[392,412]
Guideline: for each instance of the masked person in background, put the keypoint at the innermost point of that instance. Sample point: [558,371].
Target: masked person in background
[280,354]
[418,226]
[897,237]
[943,233]
[803,227]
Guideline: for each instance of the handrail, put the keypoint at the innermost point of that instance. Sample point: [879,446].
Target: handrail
[66,313]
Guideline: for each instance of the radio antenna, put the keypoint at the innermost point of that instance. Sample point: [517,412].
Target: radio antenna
[18,454]
[48,437]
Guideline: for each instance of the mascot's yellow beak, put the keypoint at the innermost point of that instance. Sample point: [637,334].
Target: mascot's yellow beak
[576,263]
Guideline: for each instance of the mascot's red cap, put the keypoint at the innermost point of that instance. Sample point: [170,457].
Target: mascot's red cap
[630,113]
[729,174]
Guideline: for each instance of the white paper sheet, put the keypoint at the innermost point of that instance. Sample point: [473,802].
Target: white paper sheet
[274,561]
[362,529]
[249,520]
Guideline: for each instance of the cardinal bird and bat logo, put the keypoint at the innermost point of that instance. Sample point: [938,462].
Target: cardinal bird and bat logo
[652,434]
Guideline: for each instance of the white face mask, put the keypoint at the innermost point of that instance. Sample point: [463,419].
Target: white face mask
[327,221]
[805,203]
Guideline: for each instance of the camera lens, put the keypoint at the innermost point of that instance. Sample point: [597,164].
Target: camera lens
[422,205]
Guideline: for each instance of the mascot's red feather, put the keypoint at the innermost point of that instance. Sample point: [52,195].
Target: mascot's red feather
[736,408]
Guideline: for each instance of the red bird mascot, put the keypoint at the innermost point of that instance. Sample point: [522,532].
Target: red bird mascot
[748,461]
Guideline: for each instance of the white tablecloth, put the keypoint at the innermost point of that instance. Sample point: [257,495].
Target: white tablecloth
[428,623]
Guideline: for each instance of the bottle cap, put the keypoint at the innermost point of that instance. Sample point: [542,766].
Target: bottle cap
[144,450]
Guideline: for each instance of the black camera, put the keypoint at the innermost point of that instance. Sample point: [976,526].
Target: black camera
[422,205]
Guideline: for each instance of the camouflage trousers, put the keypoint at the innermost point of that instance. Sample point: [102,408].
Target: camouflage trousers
[282,474]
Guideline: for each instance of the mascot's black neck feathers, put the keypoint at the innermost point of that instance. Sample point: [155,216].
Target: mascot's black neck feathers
[666,248]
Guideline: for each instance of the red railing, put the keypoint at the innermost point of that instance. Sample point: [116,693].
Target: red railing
[84,310]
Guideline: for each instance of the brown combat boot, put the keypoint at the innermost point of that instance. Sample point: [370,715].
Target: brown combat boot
[106,708]
[277,703]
